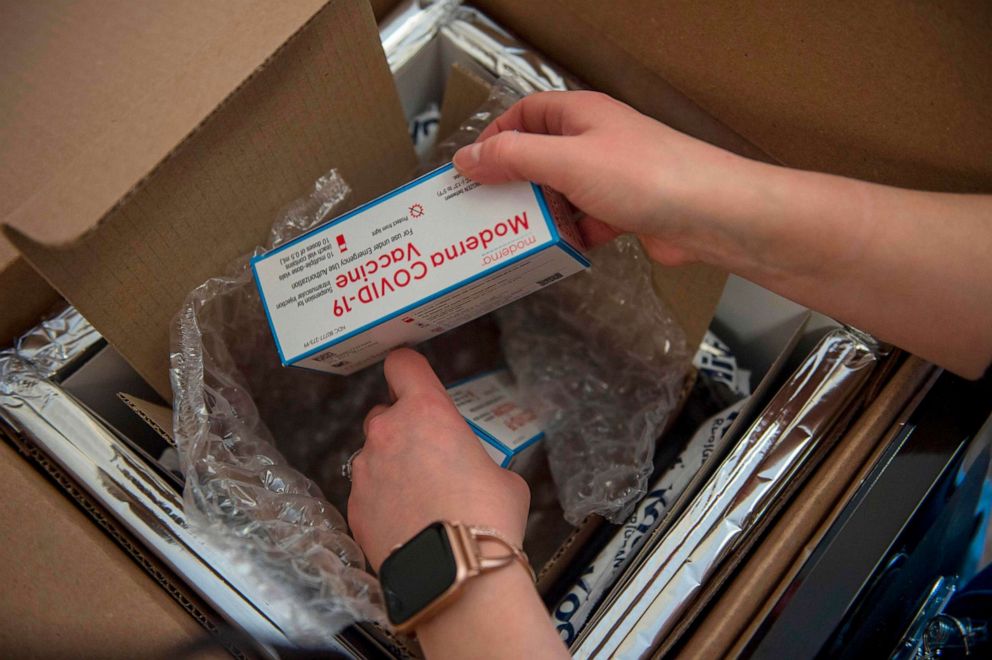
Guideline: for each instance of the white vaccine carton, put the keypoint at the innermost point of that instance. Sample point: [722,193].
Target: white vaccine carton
[508,429]
[429,256]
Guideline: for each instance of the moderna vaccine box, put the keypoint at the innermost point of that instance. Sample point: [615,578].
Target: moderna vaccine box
[508,429]
[423,259]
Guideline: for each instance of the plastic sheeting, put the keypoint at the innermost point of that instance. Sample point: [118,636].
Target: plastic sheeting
[271,521]
[605,363]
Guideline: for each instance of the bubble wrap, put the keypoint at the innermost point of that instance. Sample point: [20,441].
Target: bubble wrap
[234,404]
[605,363]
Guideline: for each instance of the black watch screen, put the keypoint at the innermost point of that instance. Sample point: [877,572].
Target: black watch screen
[417,573]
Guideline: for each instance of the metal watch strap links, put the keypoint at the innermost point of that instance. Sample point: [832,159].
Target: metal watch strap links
[470,535]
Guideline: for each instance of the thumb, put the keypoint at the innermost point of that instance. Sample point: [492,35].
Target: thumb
[513,156]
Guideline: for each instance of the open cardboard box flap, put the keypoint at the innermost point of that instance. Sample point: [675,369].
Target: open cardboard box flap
[94,94]
[323,98]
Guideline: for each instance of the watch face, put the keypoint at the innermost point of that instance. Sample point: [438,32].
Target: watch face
[417,573]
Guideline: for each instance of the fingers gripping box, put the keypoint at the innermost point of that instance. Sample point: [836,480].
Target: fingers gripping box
[425,258]
[508,429]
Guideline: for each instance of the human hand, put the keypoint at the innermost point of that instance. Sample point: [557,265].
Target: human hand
[422,463]
[625,171]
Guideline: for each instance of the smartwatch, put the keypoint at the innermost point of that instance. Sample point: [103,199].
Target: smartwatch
[423,575]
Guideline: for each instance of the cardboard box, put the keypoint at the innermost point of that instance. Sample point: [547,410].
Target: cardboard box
[57,563]
[427,257]
[146,145]
[506,426]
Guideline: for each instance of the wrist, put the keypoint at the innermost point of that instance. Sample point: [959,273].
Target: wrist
[747,218]
[495,611]
[712,206]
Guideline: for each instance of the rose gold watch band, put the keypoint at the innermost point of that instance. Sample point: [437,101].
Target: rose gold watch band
[473,534]
[469,561]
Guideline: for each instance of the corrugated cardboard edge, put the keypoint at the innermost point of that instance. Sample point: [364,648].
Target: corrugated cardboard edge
[156,416]
[760,581]
[833,436]
[160,573]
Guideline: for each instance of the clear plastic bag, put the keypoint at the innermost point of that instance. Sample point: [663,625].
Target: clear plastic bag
[248,428]
[605,363]
[599,353]
[272,522]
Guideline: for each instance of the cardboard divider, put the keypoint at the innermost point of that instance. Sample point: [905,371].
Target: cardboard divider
[839,436]
[910,399]
[83,84]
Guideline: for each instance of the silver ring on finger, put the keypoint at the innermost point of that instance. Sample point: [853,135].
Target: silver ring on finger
[346,467]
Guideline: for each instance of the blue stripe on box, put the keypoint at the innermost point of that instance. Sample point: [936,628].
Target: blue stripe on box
[268,317]
[487,437]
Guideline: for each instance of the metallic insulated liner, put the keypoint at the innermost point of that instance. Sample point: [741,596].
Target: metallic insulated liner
[798,418]
[412,26]
[109,471]
[54,345]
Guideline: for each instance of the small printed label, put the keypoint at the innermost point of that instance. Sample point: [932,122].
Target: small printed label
[491,406]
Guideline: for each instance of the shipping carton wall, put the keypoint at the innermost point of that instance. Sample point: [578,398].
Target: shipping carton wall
[875,90]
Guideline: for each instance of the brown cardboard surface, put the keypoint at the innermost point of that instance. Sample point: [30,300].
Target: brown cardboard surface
[25,296]
[593,39]
[381,8]
[464,92]
[81,83]
[875,90]
[691,293]
[97,92]
[69,591]
[750,592]
[325,99]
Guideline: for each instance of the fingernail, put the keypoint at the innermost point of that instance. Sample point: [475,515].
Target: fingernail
[468,157]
